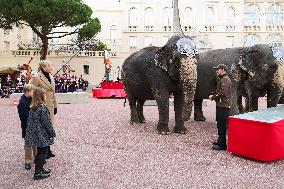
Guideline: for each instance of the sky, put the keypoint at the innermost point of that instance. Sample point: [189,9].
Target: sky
[98,4]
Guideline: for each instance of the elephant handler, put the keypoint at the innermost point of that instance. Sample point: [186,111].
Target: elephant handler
[45,81]
[223,103]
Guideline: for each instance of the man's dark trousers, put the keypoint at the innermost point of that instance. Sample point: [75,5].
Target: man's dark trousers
[222,118]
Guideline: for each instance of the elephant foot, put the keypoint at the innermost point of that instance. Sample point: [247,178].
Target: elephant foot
[163,130]
[142,119]
[134,120]
[186,117]
[180,130]
[199,117]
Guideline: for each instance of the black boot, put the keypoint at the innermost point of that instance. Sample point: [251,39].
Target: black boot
[40,172]
[49,154]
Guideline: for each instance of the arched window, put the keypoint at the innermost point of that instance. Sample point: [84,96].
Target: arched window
[251,40]
[133,17]
[275,40]
[113,34]
[230,16]
[210,16]
[149,16]
[252,15]
[167,16]
[188,17]
[274,15]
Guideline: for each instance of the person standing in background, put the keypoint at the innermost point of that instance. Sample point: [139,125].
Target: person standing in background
[45,80]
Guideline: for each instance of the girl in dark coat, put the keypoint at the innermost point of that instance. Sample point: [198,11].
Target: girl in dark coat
[39,132]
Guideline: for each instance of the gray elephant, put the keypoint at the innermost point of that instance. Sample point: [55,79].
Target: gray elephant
[153,73]
[253,73]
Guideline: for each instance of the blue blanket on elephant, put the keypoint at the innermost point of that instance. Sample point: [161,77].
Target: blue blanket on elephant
[278,53]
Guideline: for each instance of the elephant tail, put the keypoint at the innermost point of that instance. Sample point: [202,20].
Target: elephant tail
[124,101]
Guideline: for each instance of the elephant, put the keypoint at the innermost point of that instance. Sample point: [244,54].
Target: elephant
[152,73]
[254,72]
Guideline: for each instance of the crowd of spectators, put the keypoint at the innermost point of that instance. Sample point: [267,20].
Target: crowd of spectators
[63,83]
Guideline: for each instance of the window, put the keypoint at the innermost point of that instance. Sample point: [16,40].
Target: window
[86,69]
[7,45]
[229,42]
[251,40]
[210,17]
[148,41]
[149,16]
[252,15]
[274,15]
[188,17]
[133,17]
[167,16]
[132,41]
[275,40]
[165,40]
[230,16]
[113,34]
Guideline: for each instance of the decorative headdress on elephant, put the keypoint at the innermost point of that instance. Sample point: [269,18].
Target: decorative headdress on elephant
[168,57]
[259,64]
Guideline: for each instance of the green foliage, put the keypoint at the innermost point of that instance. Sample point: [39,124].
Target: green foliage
[44,15]
[88,30]
[101,46]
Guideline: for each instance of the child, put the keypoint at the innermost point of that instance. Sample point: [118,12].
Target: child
[39,132]
[23,110]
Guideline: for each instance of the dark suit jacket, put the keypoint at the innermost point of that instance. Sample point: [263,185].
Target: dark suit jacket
[23,110]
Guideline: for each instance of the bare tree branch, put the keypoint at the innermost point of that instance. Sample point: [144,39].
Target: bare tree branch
[63,35]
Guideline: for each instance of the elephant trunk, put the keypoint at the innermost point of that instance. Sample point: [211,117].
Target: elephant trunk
[188,73]
[234,110]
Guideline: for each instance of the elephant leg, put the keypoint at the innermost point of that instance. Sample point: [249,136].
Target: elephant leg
[141,117]
[133,111]
[162,99]
[253,103]
[273,97]
[247,104]
[240,105]
[198,113]
[178,106]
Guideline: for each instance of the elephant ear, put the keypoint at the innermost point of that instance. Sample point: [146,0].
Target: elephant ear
[161,59]
[246,61]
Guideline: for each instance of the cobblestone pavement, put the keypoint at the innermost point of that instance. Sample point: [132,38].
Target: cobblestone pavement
[96,147]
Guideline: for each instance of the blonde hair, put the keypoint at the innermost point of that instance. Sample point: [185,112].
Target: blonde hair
[43,63]
[28,87]
[38,98]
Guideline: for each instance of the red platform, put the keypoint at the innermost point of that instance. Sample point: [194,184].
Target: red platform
[109,89]
[256,139]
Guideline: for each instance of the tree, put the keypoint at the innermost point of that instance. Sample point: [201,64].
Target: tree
[176,19]
[43,16]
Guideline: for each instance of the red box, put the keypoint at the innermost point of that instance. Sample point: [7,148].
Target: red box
[257,139]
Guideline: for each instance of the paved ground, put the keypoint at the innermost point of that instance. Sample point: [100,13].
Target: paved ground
[96,147]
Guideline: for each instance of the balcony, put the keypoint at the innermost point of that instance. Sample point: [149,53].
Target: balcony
[278,28]
[252,28]
[132,28]
[187,28]
[230,28]
[57,53]
[148,28]
[167,28]
[209,28]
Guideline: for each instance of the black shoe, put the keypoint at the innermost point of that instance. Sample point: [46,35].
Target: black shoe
[46,171]
[50,155]
[218,148]
[28,166]
[215,143]
[41,175]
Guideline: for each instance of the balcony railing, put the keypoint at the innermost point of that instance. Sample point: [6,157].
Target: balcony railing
[148,28]
[56,53]
[132,28]
[274,28]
